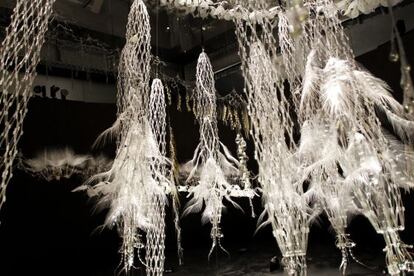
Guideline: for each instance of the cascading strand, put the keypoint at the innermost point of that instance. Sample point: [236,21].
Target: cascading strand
[326,183]
[19,56]
[155,241]
[319,66]
[269,109]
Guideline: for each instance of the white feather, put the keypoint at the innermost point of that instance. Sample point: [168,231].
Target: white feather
[311,80]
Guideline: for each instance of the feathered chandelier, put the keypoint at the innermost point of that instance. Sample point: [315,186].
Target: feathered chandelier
[135,187]
[335,102]
[339,100]
[210,168]
[269,110]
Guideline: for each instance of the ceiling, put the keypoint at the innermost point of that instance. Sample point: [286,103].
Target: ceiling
[178,38]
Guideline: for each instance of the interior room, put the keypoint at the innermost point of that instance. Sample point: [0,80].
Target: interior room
[206,137]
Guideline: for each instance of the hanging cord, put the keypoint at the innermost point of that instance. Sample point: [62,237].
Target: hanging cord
[175,197]
[346,247]
[202,35]
[406,81]
[157,63]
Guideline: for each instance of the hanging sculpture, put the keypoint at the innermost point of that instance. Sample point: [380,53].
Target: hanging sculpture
[211,168]
[283,195]
[300,38]
[135,187]
[320,170]
[155,239]
[313,119]
[19,56]
[55,164]
[342,99]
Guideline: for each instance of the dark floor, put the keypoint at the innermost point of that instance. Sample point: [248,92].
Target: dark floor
[255,261]
[48,230]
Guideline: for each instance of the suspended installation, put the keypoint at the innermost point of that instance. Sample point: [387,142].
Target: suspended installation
[312,115]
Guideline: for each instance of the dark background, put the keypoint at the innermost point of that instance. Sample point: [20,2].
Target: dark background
[48,230]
